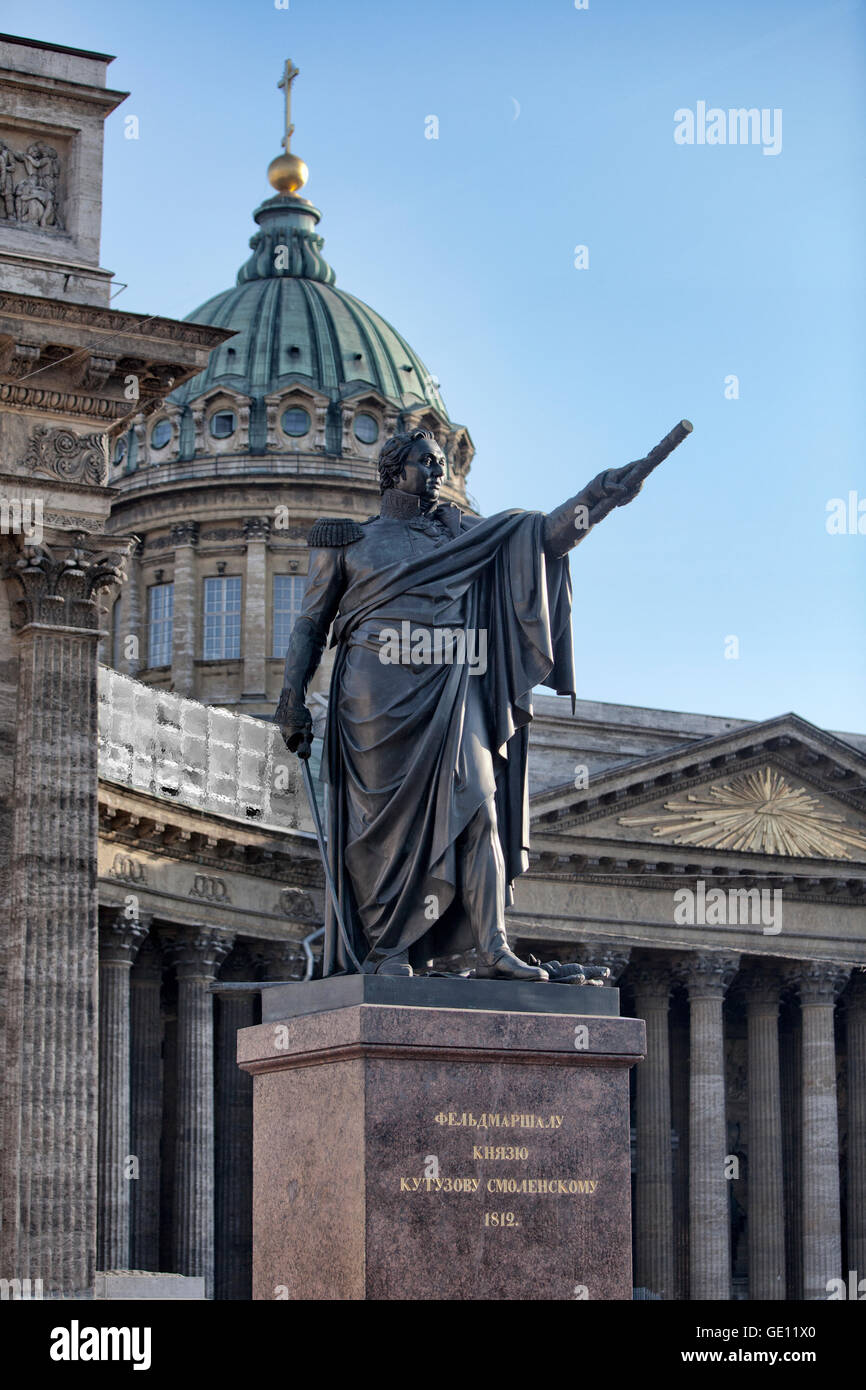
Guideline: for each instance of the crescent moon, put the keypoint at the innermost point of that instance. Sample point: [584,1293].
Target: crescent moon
[516,107]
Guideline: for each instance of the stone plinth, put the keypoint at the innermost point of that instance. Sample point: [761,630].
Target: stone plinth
[407,1151]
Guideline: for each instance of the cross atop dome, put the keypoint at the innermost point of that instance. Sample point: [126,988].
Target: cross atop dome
[287,173]
[290,72]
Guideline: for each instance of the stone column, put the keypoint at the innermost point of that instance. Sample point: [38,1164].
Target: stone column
[819,983]
[654,1220]
[131,618]
[679,1046]
[766,1214]
[256,530]
[184,538]
[707,976]
[197,953]
[790,1057]
[145,990]
[49,1117]
[856,1027]
[119,941]
[234,1135]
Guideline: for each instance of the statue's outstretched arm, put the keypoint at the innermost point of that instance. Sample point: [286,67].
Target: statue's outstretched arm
[326,583]
[566,526]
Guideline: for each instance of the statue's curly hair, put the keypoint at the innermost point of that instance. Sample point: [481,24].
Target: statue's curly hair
[392,456]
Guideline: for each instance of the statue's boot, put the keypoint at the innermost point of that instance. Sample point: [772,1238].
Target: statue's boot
[497,961]
[396,965]
[503,964]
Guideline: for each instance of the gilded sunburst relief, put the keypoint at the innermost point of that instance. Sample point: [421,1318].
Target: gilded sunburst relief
[758,812]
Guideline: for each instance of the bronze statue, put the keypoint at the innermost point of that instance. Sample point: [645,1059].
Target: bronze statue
[443,624]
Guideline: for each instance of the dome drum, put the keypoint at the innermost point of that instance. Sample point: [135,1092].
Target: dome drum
[224,422]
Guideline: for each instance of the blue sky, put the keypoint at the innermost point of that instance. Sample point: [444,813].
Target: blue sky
[555,130]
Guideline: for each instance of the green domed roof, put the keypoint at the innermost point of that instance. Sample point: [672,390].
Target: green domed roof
[294,326]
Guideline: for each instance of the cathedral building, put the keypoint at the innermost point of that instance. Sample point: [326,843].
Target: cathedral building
[160,867]
[223,483]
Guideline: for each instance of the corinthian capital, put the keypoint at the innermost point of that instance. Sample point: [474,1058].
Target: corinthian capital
[57,584]
[818,981]
[184,533]
[257,528]
[198,952]
[651,978]
[120,939]
[707,974]
[762,986]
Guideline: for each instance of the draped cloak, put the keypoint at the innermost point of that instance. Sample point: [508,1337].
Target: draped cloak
[413,751]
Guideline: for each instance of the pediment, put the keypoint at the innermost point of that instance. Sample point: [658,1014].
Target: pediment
[760,811]
[782,789]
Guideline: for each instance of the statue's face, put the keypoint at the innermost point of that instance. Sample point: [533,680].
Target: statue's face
[423,470]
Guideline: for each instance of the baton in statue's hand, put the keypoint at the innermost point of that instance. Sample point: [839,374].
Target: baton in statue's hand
[631,477]
[323,850]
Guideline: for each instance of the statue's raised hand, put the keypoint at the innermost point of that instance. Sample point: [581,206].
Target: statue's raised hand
[620,485]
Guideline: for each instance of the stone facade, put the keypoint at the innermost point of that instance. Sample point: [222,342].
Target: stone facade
[731,863]
[66,365]
[736,1109]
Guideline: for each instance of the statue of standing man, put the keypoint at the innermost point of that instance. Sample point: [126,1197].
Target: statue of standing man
[426,746]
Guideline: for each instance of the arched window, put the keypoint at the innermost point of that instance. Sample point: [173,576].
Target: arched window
[296,421]
[223,424]
[160,434]
[366,428]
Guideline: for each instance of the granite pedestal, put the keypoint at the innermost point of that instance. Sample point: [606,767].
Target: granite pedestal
[415,1149]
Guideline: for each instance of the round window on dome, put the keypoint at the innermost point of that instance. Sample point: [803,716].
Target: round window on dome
[120,450]
[366,428]
[223,424]
[296,422]
[160,434]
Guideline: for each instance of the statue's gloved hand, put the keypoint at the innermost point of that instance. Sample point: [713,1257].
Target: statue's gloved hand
[567,525]
[616,486]
[296,725]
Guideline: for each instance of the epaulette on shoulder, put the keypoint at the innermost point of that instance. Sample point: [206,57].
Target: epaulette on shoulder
[334,530]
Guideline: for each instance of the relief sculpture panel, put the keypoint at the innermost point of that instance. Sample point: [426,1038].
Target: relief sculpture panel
[30,185]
